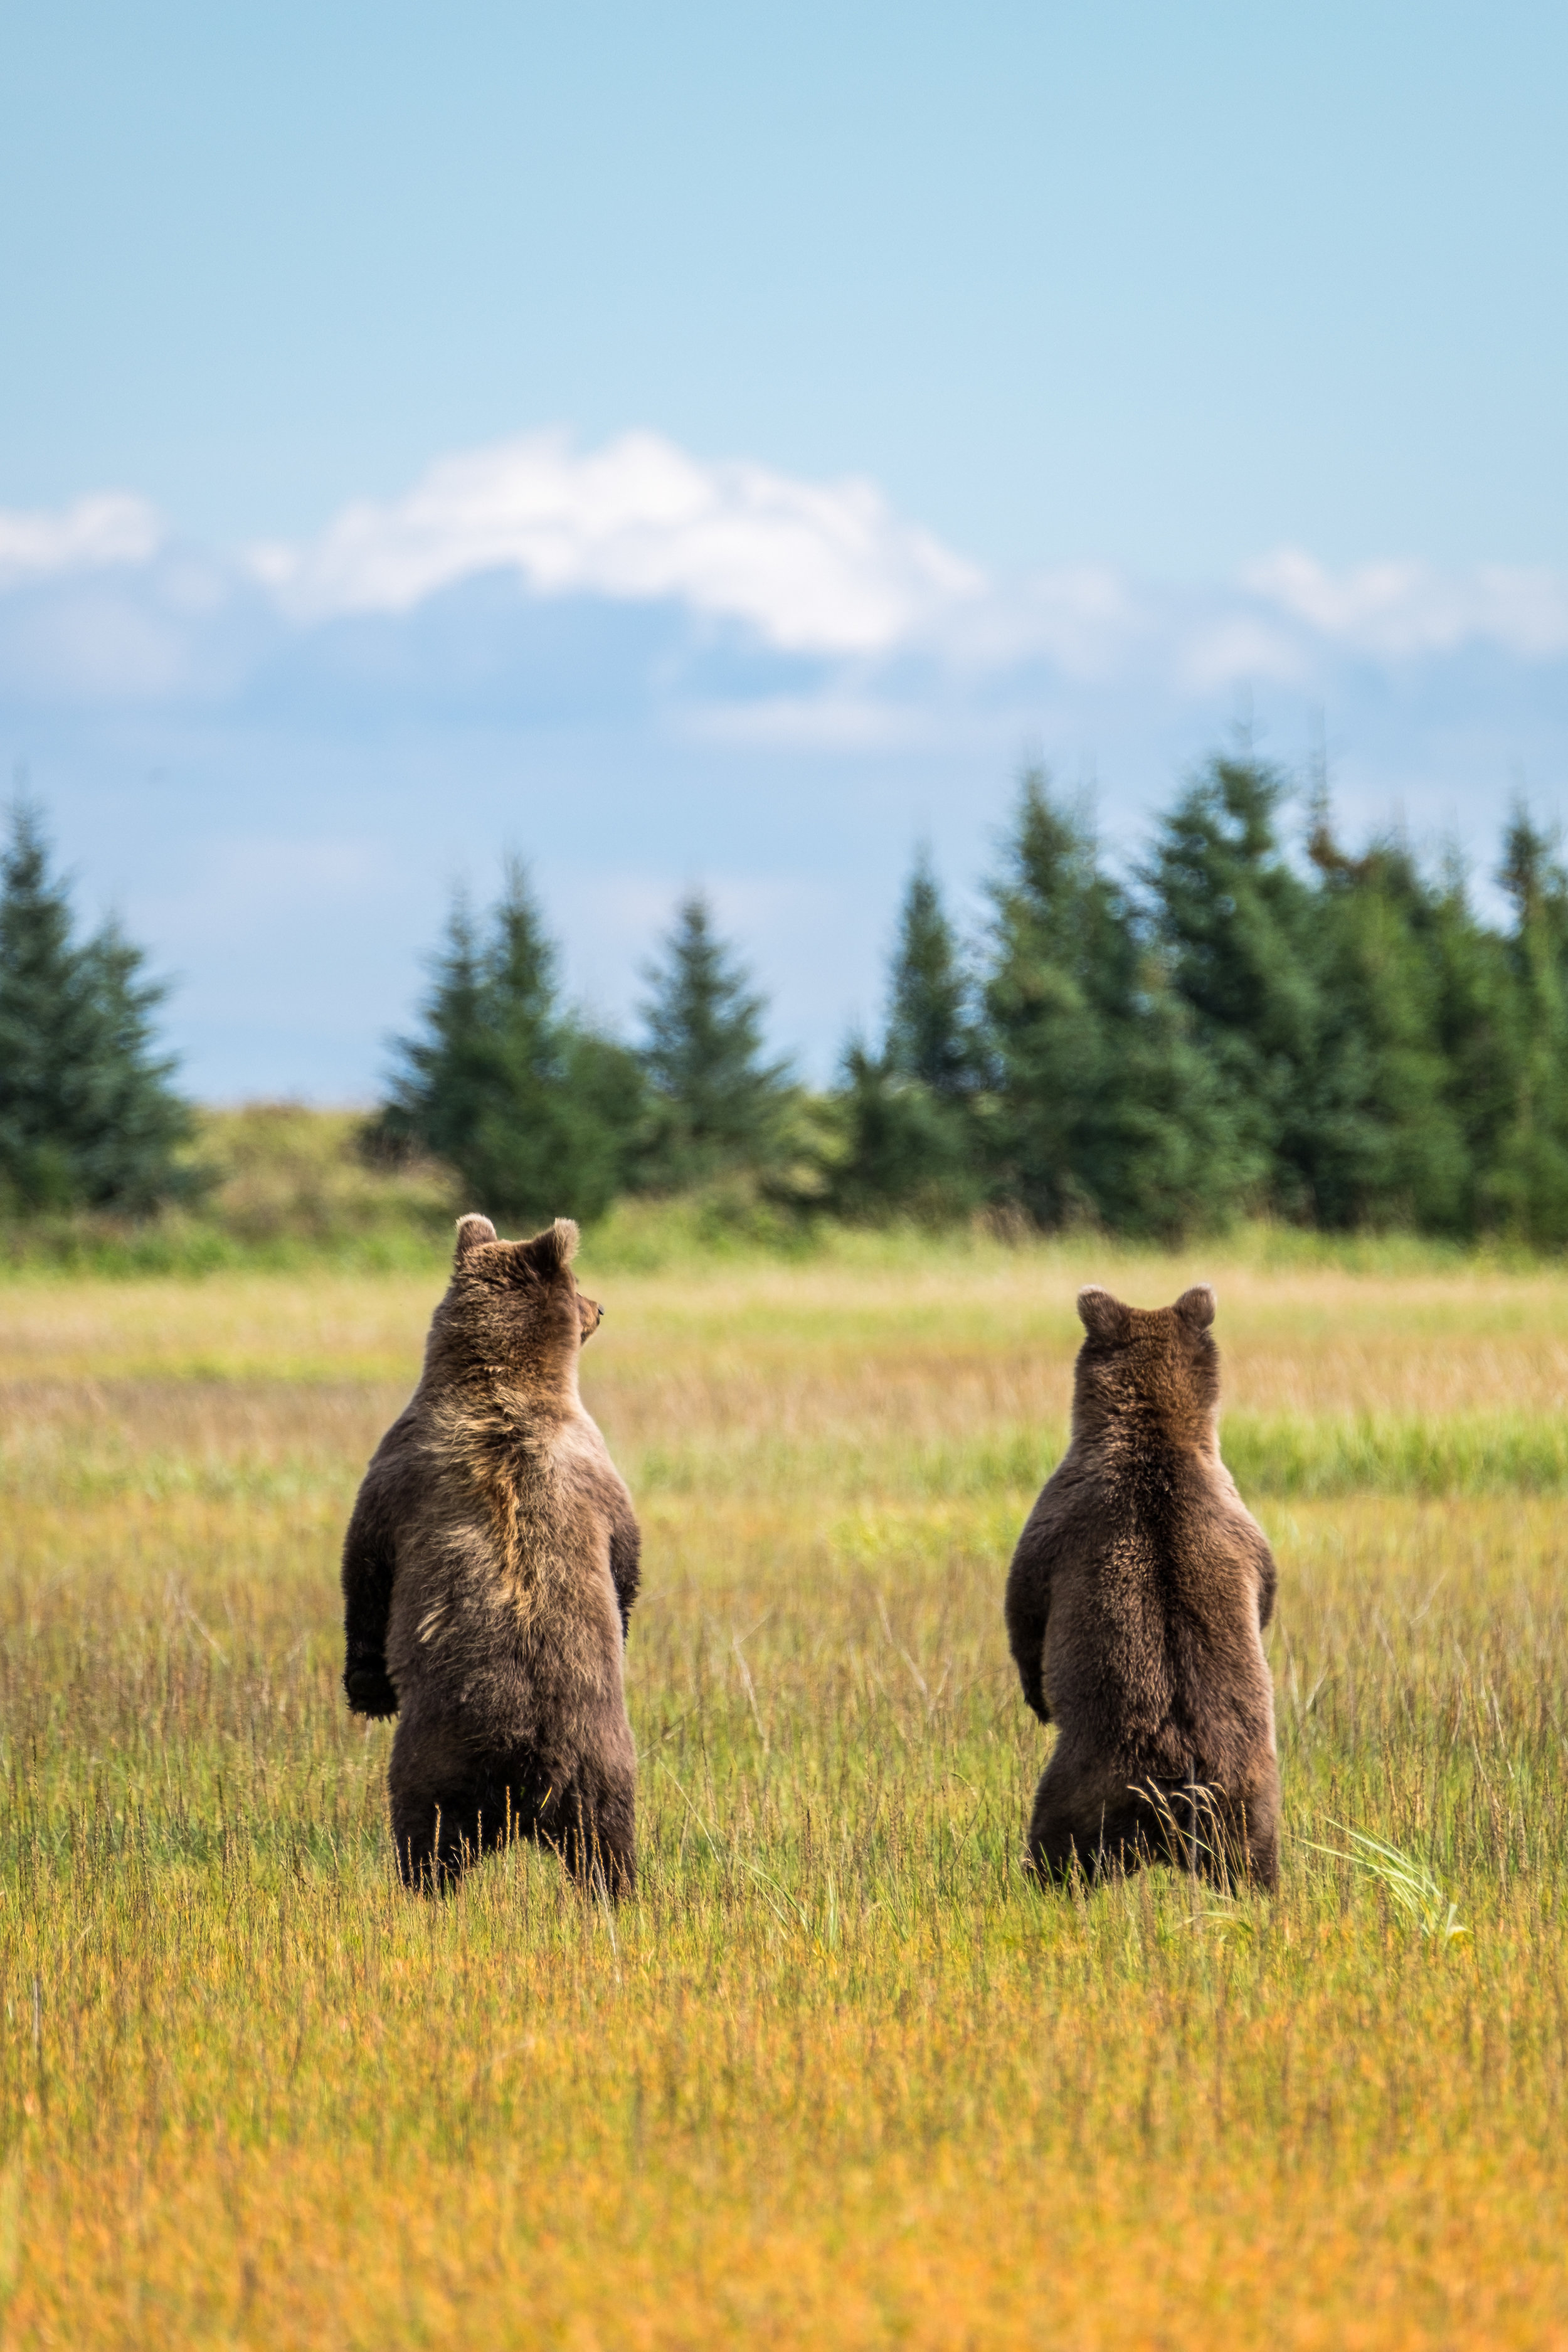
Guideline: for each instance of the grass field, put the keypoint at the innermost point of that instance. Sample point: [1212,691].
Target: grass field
[838,2077]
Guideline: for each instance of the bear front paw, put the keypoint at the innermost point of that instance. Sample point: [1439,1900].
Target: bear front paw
[369,1690]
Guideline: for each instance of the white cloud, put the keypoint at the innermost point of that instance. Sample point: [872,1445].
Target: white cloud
[1398,609]
[92,535]
[814,567]
[1236,649]
[1084,620]
[105,604]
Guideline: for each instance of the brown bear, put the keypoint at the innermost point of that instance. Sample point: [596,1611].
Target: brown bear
[488,1573]
[1136,1607]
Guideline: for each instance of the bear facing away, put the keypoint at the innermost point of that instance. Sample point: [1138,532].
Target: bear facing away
[489,1571]
[1136,1607]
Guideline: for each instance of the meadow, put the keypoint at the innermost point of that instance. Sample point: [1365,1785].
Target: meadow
[838,2075]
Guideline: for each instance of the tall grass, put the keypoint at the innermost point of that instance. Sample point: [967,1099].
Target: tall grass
[837,2075]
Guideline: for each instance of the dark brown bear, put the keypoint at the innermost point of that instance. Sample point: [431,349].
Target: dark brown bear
[489,1571]
[1136,1607]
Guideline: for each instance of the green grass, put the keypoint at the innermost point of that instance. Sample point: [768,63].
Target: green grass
[1477,1454]
[286,1189]
[837,2075]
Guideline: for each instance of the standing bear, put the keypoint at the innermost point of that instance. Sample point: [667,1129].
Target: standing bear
[489,1571]
[1136,1607]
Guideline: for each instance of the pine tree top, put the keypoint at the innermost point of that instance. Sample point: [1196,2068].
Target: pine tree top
[929,1035]
[716,1097]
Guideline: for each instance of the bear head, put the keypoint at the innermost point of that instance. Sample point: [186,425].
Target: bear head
[1155,1367]
[513,1309]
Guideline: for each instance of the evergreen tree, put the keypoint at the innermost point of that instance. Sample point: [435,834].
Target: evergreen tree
[1061,944]
[536,1111]
[1360,1020]
[1478,1032]
[905,1113]
[88,1116]
[1391,1147]
[444,1077]
[930,1038]
[1104,1107]
[1237,924]
[716,1105]
[904,1149]
[1526,1185]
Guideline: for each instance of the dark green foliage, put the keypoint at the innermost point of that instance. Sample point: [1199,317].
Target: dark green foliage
[1062,954]
[1237,925]
[1392,1144]
[1348,1015]
[1338,1041]
[88,1116]
[1526,1188]
[907,1113]
[1477,1029]
[905,1149]
[716,1105]
[537,1112]
[1392,1060]
[1103,1106]
[1248,1023]
[931,1037]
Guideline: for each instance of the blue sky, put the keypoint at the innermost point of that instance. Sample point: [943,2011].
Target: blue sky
[1186,360]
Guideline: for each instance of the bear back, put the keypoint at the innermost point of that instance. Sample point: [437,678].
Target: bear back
[1140,1583]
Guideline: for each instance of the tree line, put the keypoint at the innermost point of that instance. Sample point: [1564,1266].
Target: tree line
[1239,1026]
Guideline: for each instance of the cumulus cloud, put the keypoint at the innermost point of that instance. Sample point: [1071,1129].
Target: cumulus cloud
[91,535]
[1087,620]
[100,600]
[1397,610]
[818,568]
[1236,648]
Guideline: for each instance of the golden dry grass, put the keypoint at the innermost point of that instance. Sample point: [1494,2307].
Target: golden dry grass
[837,2076]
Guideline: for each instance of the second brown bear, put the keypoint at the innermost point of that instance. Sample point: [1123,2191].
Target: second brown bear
[1136,1607]
[488,1570]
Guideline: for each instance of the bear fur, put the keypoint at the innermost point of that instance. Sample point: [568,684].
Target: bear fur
[488,1572]
[1136,1607]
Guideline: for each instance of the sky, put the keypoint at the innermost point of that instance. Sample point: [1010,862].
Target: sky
[720,445]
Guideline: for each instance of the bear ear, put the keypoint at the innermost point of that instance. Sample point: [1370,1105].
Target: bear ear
[473,1232]
[1195,1307]
[548,1251]
[1102,1316]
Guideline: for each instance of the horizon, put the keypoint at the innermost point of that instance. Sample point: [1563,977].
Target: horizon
[726,449]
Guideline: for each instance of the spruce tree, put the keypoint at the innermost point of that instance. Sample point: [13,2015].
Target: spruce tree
[905,1113]
[536,1111]
[1104,1107]
[904,1149]
[1478,1032]
[1059,944]
[1360,1017]
[1236,922]
[1526,1185]
[443,1077]
[87,1115]
[716,1104]
[1391,1148]
[930,1038]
